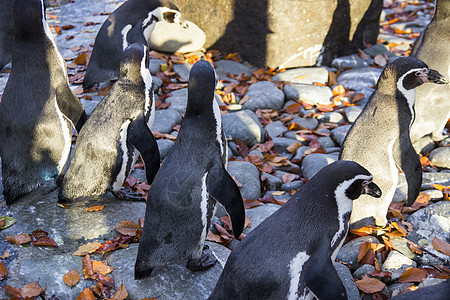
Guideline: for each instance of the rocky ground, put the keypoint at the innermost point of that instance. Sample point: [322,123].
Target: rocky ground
[283,125]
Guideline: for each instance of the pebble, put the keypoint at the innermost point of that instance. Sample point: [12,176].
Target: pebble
[435,195]
[164,147]
[243,125]
[281,143]
[349,251]
[397,264]
[347,280]
[355,79]
[352,112]
[440,157]
[431,221]
[247,174]
[311,94]
[326,142]
[304,75]
[165,119]
[349,61]
[183,70]
[259,213]
[275,129]
[178,100]
[364,269]
[264,95]
[295,136]
[379,49]
[293,185]
[331,117]
[154,65]
[225,66]
[273,183]
[338,134]
[306,123]
[424,144]
[313,163]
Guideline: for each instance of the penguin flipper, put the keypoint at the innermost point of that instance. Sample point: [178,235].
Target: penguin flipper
[142,139]
[223,189]
[136,34]
[71,107]
[407,159]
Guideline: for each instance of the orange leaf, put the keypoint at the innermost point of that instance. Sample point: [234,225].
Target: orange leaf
[31,290]
[12,291]
[88,248]
[128,227]
[3,271]
[87,266]
[71,278]
[101,267]
[413,275]
[421,201]
[95,208]
[441,246]
[18,239]
[363,250]
[366,230]
[293,108]
[358,97]
[293,148]
[324,108]
[370,285]
[294,126]
[400,228]
[45,241]
[86,294]
[120,294]
[338,90]
[81,59]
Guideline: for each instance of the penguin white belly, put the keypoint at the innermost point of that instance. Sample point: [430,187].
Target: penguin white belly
[123,146]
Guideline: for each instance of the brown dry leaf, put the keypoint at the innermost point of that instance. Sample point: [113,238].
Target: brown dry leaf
[370,285]
[358,97]
[88,248]
[12,291]
[278,193]
[81,59]
[87,267]
[400,228]
[441,246]
[101,267]
[38,233]
[293,108]
[128,227]
[421,201]
[363,250]
[293,148]
[6,254]
[3,271]
[380,274]
[45,241]
[363,54]
[212,237]
[289,177]
[120,294]
[71,278]
[413,275]
[31,290]
[86,294]
[95,208]
[366,230]
[251,203]
[104,91]
[67,27]
[19,239]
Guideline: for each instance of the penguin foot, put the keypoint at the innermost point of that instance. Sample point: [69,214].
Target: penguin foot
[203,263]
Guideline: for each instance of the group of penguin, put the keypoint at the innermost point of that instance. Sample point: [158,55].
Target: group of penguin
[38,112]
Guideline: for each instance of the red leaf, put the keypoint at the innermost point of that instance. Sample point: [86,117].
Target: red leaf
[413,275]
[45,241]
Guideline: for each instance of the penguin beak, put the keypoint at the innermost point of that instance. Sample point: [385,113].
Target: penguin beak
[434,76]
[371,189]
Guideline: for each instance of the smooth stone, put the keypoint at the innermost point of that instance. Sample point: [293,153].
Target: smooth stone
[164,147]
[171,37]
[347,280]
[281,143]
[156,83]
[178,100]
[331,117]
[307,123]
[273,183]
[165,119]
[424,144]
[259,213]
[333,149]
[429,178]
[352,112]
[303,75]
[338,134]
[397,264]
[295,136]
[440,157]
[355,79]
[275,129]
[154,65]
[225,66]
[445,142]
[349,61]
[399,288]
[243,125]
[395,39]
[293,185]
[349,251]
[378,49]
[326,142]
[363,270]
[402,246]
[247,174]
[264,95]
[311,94]
[256,152]
[435,195]
[183,70]
[290,102]
[301,152]
[313,163]
[291,168]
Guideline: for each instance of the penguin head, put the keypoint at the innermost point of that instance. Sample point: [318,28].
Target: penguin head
[134,63]
[202,83]
[170,13]
[29,19]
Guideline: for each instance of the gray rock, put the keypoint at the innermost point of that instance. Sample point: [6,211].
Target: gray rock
[349,251]
[225,66]
[156,83]
[295,136]
[293,185]
[352,112]
[440,157]
[183,70]
[273,182]
[397,264]
[243,125]
[429,178]
[435,195]
[364,269]
[424,144]
[427,281]
[259,213]
[256,152]
[347,280]
[313,163]
[281,143]
[378,49]
[154,65]
[275,129]
[350,61]
[431,221]
[264,95]
[355,79]
[178,100]
[290,168]
[333,150]
[164,147]
[445,142]
[171,37]
[307,123]
[331,117]
[301,152]
[247,174]
[165,119]
[338,134]
[402,246]
[303,75]
[311,94]
[326,142]
[398,288]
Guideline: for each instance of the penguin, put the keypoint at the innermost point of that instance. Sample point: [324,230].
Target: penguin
[379,138]
[6,32]
[192,179]
[38,109]
[130,23]
[432,105]
[290,254]
[439,291]
[116,131]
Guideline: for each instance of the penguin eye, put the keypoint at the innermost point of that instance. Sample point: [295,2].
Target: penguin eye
[421,73]
[169,16]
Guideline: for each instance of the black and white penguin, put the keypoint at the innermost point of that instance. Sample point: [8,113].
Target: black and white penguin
[379,138]
[290,254]
[432,105]
[38,109]
[118,128]
[130,23]
[6,32]
[192,179]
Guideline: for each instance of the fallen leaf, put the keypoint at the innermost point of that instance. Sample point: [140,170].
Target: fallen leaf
[87,266]
[38,233]
[95,208]
[19,239]
[88,248]
[81,59]
[104,280]
[67,27]
[363,250]
[293,148]
[278,193]
[101,267]
[31,290]
[3,271]
[441,246]
[8,221]
[293,108]
[366,230]
[338,90]
[380,274]
[103,91]
[128,227]
[71,278]
[86,294]
[289,177]
[6,254]
[120,294]
[413,275]
[370,285]
[12,291]
[45,241]
[380,60]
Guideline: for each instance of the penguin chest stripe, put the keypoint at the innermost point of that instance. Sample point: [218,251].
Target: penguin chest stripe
[124,33]
[204,210]
[123,146]
[410,95]
[295,271]
[218,118]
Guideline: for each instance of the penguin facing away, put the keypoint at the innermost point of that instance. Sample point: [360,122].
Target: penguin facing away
[38,109]
[305,237]
[130,23]
[432,105]
[379,138]
[118,128]
[192,179]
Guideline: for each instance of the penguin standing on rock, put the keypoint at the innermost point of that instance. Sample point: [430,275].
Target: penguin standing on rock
[304,237]
[432,105]
[38,109]
[379,138]
[192,179]
[118,128]
[130,23]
